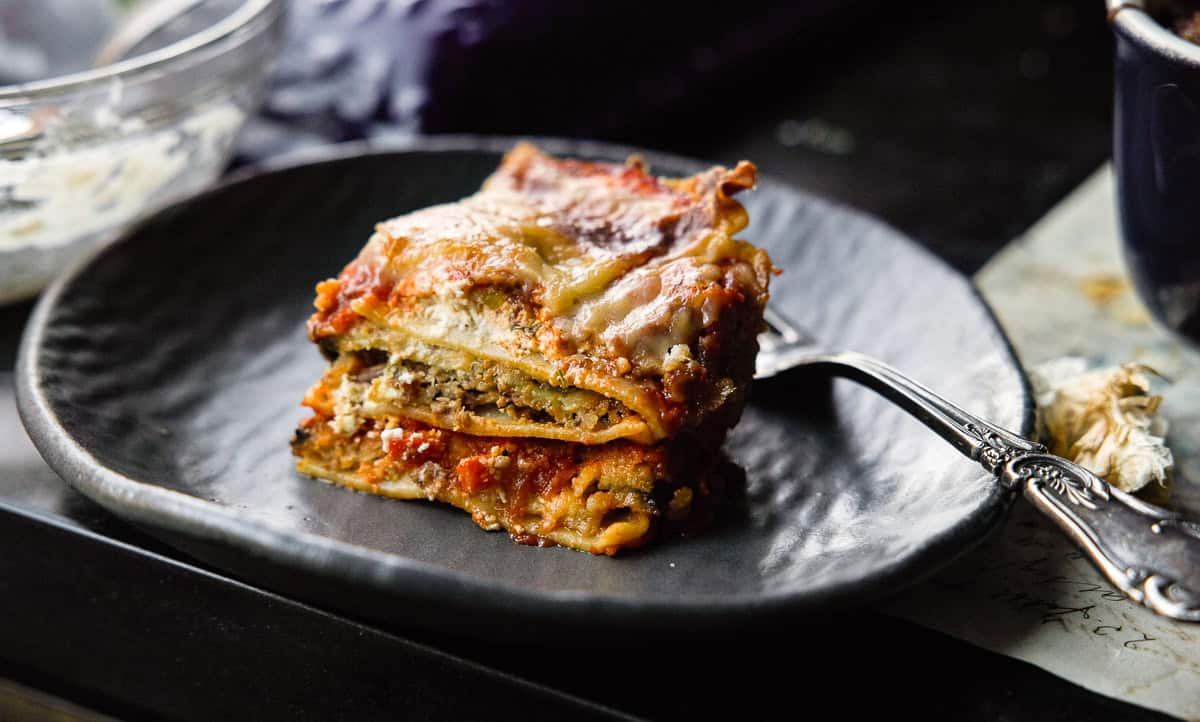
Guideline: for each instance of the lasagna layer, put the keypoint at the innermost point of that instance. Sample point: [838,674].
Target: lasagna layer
[596,498]
[462,393]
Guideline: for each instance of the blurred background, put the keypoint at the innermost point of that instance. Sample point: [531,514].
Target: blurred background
[937,116]
[960,123]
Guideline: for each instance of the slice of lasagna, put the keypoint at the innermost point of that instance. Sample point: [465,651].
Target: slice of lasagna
[559,354]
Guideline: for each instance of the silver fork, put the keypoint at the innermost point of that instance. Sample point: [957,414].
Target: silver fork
[1149,553]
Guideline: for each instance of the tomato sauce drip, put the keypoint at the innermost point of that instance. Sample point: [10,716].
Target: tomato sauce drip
[335,313]
[542,470]
[474,474]
[416,447]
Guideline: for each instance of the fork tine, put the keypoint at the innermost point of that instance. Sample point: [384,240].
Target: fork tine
[769,339]
[783,345]
[782,329]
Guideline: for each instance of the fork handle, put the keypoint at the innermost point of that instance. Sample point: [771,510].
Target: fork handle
[1149,553]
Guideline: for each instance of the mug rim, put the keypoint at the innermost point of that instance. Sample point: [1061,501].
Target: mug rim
[1130,19]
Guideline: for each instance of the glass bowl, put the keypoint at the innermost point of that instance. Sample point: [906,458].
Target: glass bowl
[82,154]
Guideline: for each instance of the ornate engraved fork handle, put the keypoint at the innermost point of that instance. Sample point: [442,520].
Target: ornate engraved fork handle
[1149,553]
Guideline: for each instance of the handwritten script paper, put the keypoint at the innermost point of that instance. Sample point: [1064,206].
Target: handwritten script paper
[1027,592]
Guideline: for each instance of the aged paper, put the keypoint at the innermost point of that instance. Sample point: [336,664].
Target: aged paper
[1027,593]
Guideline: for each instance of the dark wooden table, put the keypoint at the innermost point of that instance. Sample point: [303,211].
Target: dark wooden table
[959,124]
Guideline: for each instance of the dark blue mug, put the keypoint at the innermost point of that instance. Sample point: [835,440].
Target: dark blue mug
[1156,154]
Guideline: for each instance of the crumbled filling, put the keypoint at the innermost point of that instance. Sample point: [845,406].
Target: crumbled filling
[483,388]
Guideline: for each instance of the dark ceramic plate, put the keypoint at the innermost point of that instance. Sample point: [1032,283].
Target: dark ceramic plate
[162,378]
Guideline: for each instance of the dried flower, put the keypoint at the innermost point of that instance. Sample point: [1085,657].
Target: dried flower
[1104,420]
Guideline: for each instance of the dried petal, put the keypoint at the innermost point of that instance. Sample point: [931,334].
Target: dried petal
[1104,420]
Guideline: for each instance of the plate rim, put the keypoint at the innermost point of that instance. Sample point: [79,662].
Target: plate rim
[423,582]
